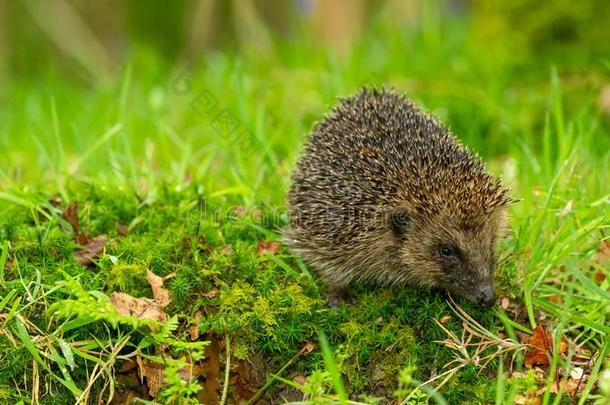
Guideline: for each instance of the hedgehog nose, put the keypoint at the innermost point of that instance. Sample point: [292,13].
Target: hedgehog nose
[486,296]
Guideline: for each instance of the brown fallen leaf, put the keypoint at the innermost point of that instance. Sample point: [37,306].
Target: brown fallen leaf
[122,229]
[190,371]
[603,251]
[540,374]
[525,400]
[154,374]
[541,347]
[575,386]
[160,294]
[145,308]
[91,250]
[210,394]
[227,250]
[267,246]
[70,214]
[309,346]
[577,373]
[211,294]
[300,379]
[124,396]
[570,386]
[193,329]
[127,366]
[141,308]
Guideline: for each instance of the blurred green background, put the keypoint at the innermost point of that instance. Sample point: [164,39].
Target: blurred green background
[71,71]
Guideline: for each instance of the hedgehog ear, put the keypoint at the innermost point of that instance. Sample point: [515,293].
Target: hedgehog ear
[399,222]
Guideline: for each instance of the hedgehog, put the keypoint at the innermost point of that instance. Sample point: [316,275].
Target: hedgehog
[384,193]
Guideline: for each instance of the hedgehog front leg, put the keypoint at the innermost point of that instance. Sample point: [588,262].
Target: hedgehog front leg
[336,294]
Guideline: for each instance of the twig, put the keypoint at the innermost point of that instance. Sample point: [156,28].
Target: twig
[35,383]
[225,387]
[307,348]
[470,329]
[99,368]
[582,375]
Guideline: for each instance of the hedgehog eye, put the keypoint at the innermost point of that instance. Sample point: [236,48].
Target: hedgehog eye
[447,251]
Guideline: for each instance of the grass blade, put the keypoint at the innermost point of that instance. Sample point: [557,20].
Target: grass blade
[331,367]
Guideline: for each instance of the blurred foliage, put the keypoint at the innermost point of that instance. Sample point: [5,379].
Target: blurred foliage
[571,33]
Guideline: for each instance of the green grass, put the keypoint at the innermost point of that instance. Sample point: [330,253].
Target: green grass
[146,152]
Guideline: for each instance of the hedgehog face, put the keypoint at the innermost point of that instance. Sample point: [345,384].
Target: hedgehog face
[457,257]
[467,266]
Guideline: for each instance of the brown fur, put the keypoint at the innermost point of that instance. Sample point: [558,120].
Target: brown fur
[382,189]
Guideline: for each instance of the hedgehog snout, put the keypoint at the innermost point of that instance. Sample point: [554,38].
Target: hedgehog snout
[485,295]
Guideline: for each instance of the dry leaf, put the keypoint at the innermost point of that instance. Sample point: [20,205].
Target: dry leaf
[570,386]
[90,251]
[144,308]
[300,379]
[504,303]
[154,374]
[227,250]
[268,247]
[193,329]
[574,386]
[577,373]
[160,294]
[190,371]
[603,251]
[541,347]
[122,229]
[70,214]
[540,374]
[523,400]
[210,394]
[309,346]
[141,308]
[211,294]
